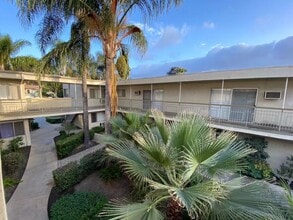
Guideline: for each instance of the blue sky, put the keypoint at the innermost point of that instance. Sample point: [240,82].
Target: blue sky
[191,32]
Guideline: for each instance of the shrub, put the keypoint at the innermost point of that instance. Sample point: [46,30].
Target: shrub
[72,173]
[258,167]
[286,169]
[9,182]
[55,119]
[34,125]
[98,129]
[90,162]
[67,176]
[78,206]
[15,143]
[112,172]
[67,144]
[11,161]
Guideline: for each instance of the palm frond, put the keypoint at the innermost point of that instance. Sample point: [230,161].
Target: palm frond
[161,124]
[134,211]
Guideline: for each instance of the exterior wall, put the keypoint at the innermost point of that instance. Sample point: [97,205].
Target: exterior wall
[13,94]
[78,121]
[278,150]
[100,119]
[26,137]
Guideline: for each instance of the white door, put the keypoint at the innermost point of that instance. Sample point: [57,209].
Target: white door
[157,102]
[220,103]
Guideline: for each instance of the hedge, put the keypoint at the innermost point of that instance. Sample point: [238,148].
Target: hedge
[78,206]
[98,129]
[72,173]
[65,146]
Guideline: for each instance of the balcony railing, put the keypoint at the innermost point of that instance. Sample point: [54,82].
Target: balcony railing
[249,116]
[40,106]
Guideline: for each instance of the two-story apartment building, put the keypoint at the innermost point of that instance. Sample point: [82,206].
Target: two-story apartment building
[248,102]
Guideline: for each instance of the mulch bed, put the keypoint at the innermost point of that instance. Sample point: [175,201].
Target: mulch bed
[17,175]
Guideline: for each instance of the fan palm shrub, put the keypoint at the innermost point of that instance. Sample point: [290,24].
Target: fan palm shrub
[184,167]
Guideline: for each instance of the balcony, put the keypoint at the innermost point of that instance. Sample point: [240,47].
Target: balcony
[41,107]
[274,122]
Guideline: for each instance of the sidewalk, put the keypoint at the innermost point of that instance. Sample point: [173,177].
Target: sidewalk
[29,201]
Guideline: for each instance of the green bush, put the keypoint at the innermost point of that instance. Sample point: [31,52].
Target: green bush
[67,176]
[112,172]
[90,162]
[78,206]
[55,119]
[67,144]
[10,162]
[98,129]
[15,143]
[34,125]
[286,169]
[72,173]
[258,167]
[9,182]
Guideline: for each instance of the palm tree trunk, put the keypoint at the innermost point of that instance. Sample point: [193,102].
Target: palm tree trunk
[2,66]
[174,210]
[85,117]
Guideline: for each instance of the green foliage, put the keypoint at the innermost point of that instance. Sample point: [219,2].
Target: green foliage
[67,144]
[67,176]
[98,129]
[184,165]
[55,119]
[9,182]
[90,163]
[111,172]
[34,125]
[78,206]
[176,71]
[25,63]
[72,173]
[1,144]
[15,143]
[11,161]
[286,169]
[122,66]
[67,127]
[258,167]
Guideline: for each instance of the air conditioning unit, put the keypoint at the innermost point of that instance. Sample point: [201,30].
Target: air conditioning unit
[272,95]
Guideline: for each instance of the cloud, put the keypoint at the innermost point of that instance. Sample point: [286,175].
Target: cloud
[171,35]
[208,25]
[239,56]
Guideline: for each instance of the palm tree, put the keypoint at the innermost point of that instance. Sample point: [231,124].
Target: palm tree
[185,165]
[9,48]
[106,20]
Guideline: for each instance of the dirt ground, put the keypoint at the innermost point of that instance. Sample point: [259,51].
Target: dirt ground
[116,189]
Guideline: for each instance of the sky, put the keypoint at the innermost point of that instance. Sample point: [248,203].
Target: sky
[199,35]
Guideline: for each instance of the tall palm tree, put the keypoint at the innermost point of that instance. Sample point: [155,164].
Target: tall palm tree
[9,48]
[106,20]
[185,165]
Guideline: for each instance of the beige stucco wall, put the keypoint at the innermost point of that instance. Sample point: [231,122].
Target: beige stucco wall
[100,120]
[278,151]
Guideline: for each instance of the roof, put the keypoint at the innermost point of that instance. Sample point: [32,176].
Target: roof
[257,73]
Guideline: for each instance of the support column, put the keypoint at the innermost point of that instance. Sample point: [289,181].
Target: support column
[130,96]
[285,93]
[3,213]
[180,88]
[27,132]
[222,91]
[151,92]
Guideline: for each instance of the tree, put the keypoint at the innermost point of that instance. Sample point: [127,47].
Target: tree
[9,48]
[176,71]
[185,165]
[25,63]
[122,65]
[106,20]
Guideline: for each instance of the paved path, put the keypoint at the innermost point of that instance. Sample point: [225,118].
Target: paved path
[29,201]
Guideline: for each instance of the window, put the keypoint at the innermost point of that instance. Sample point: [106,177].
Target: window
[11,129]
[65,92]
[121,92]
[94,117]
[94,93]
[9,92]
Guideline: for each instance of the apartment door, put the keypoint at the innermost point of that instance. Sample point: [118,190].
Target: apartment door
[158,96]
[242,106]
[146,95]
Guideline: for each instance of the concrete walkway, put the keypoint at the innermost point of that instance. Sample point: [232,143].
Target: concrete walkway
[29,201]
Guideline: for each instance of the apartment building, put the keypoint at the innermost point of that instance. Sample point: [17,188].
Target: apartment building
[248,102]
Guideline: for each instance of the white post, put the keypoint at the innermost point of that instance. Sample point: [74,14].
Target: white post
[130,96]
[284,102]
[222,91]
[179,98]
[3,213]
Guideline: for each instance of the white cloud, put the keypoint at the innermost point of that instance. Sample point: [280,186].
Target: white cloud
[208,25]
[239,56]
[172,35]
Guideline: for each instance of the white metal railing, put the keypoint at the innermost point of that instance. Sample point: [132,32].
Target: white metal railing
[43,105]
[249,116]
